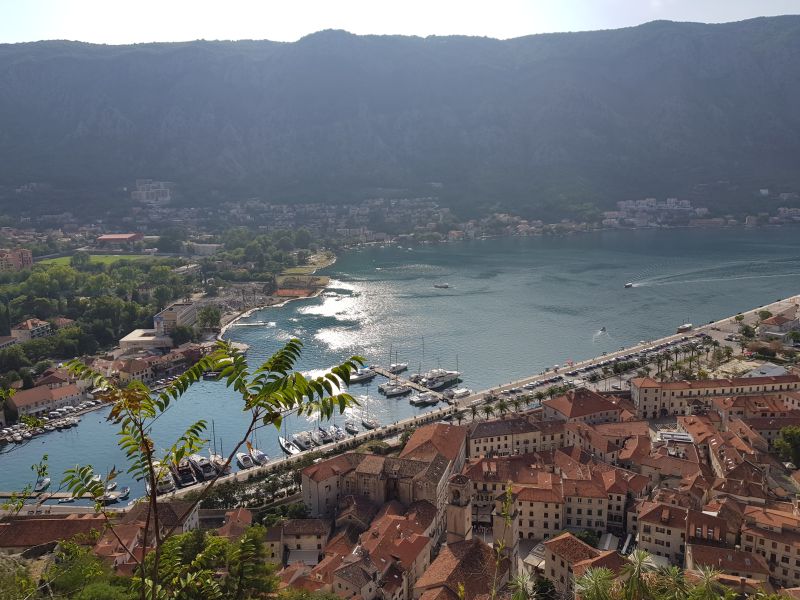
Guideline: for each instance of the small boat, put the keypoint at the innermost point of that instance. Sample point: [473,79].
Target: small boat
[288,447]
[337,433]
[164,482]
[183,473]
[629,284]
[424,399]
[67,500]
[27,435]
[244,461]
[16,438]
[258,456]
[603,329]
[124,493]
[49,428]
[211,375]
[351,427]
[393,389]
[203,468]
[302,440]
[218,463]
[41,484]
[461,393]
[398,367]
[362,375]
[441,286]
[685,327]
[370,422]
[327,438]
[111,486]
[316,437]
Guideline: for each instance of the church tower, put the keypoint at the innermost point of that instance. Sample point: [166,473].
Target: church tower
[459,509]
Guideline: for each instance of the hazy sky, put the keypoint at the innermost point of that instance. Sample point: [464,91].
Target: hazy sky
[126,21]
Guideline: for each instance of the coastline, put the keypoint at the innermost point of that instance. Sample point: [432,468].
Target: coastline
[278,301]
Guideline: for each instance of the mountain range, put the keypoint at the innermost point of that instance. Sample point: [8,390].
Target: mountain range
[543,123]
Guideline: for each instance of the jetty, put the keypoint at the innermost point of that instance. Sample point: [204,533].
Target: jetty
[403,381]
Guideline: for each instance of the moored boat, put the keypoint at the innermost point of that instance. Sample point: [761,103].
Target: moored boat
[41,484]
[203,468]
[424,399]
[327,438]
[183,473]
[362,375]
[288,447]
[392,388]
[439,378]
[398,367]
[337,433]
[370,422]
[351,427]
[302,440]
[258,456]
[218,463]
[244,461]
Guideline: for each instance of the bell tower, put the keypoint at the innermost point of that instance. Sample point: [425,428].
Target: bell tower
[459,509]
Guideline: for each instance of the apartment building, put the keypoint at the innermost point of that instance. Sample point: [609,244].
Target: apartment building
[581,406]
[40,400]
[562,553]
[31,329]
[15,260]
[177,314]
[773,532]
[514,435]
[654,399]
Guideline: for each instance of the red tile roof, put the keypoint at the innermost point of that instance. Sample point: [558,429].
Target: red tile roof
[448,440]
[570,548]
[580,403]
[29,532]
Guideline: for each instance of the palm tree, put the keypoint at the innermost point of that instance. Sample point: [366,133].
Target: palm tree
[540,395]
[502,407]
[522,587]
[708,586]
[516,403]
[595,584]
[460,416]
[474,410]
[670,584]
[635,587]
[488,410]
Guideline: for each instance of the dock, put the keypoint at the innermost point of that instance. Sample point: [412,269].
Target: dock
[415,386]
[41,496]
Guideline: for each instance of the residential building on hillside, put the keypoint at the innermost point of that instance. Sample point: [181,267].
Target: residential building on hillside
[581,405]
[177,314]
[15,260]
[31,329]
[514,435]
[40,400]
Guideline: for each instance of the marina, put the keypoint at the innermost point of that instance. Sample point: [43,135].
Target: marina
[558,287]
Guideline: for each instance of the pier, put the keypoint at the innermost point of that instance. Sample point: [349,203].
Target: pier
[403,381]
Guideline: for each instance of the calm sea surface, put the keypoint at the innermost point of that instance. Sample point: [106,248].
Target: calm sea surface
[514,307]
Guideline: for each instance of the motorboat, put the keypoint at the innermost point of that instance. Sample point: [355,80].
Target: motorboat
[362,375]
[398,367]
[461,393]
[685,327]
[302,440]
[183,473]
[603,329]
[16,438]
[258,456]
[124,493]
[327,438]
[41,484]
[26,435]
[337,433]
[111,486]
[288,447]
[629,284]
[316,437]
[164,482]
[67,500]
[211,375]
[203,468]
[439,378]
[391,388]
[424,399]
[351,427]
[244,461]
[441,286]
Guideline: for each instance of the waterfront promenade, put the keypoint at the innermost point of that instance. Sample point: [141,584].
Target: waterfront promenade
[716,329]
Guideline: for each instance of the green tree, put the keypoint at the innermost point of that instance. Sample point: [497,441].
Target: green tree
[764,314]
[708,586]
[80,260]
[103,590]
[74,567]
[670,584]
[635,586]
[209,316]
[595,584]
[788,444]
[182,334]
[302,238]
[522,587]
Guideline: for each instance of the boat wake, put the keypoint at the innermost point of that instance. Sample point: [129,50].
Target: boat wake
[654,283]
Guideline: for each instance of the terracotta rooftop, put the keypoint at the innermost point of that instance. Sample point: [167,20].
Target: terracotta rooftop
[448,440]
[647,382]
[27,532]
[169,512]
[580,402]
[500,427]
[469,563]
[570,548]
[338,465]
[610,559]
[665,515]
[728,560]
[307,527]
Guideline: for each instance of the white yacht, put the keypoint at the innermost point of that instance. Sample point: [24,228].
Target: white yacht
[258,456]
[424,399]
[393,388]
[337,433]
[302,440]
[218,462]
[398,367]
[244,460]
[439,378]
[362,375]
[164,482]
[203,468]
[461,393]
[351,426]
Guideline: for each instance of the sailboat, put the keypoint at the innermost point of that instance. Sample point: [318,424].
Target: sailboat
[217,460]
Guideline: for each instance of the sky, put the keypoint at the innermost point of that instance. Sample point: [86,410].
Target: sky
[133,21]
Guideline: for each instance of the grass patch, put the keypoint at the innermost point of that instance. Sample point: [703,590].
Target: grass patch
[105,259]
